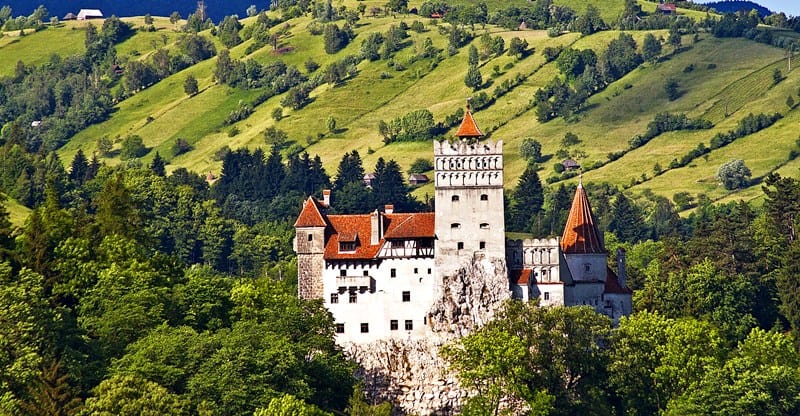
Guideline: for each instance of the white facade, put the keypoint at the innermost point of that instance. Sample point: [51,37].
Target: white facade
[386,299]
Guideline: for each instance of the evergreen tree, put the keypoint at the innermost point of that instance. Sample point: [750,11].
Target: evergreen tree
[275,171]
[473,79]
[157,166]
[79,170]
[651,48]
[388,186]
[527,201]
[627,222]
[116,210]
[350,170]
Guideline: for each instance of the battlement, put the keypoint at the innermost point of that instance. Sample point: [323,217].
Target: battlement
[467,148]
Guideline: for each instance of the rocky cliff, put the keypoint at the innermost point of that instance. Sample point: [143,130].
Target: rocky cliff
[410,373]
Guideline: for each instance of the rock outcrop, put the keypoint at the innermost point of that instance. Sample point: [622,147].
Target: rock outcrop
[410,373]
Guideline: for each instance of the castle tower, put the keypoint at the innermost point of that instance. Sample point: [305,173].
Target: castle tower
[469,197]
[309,244]
[581,242]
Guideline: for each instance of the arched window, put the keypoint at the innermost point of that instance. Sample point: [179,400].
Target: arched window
[484,226]
[484,197]
[455,225]
[454,198]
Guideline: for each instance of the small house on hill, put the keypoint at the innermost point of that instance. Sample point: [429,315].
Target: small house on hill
[70,16]
[368,178]
[570,164]
[667,8]
[417,179]
[86,14]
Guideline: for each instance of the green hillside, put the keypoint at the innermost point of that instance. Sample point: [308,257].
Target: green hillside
[721,80]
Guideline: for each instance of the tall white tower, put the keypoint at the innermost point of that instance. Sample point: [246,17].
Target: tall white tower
[469,197]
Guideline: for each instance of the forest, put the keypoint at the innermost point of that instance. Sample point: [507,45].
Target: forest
[133,290]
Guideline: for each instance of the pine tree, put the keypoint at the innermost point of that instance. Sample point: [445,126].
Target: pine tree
[528,198]
[350,170]
[51,394]
[158,165]
[473,79]
[627,222]
[276,172]
[79,168]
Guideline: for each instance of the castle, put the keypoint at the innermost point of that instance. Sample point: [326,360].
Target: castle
[379,273]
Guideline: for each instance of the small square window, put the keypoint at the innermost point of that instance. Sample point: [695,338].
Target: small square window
[455,225]
[393,272]
[406,296]
[334,298]
[484,226]
[416,270]
[364,328]
[310,237]
[366,273]
[393,325]
[429,271]
[340,328]
[587,267]
[342,273]
[460,245]
[546,295]
[409,325]
[454,198]
[353,297]
[482,245]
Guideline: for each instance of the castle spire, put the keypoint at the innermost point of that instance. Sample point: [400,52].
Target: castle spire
[580,234]
[468,127]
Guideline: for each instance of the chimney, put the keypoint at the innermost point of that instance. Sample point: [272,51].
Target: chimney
[621,274]
[376,225]
[388,208]
[326,198]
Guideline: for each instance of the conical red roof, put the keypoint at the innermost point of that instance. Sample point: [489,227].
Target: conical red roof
[580,234]
[468,127]
[310,216]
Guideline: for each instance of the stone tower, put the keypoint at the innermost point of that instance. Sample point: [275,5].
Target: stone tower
[469,197]
[309,244]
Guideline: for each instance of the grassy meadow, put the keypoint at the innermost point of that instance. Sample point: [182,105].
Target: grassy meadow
[721,80]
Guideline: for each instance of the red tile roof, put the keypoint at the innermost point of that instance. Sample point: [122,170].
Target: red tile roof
[468,127]
[520,277]
[349,228]
[311,216]
[580,234]
[418,225]
[613,286]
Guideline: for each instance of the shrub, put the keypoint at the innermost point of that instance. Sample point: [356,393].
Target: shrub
[734,174]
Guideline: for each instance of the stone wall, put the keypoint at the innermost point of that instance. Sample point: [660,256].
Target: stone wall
[410,373]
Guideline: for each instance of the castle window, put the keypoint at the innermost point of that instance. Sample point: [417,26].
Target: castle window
[454,198]
[340,328]
[416,270]
[460,245]
[546,295]
[349,246]
[587,267]
[364,328]
[393,272]
[406,296]
[482,245]
[393,325]
[409,325]
[455,225]
[429,271]
[484,226]
[334,298]
[343,273]
[366,273]
[484,197]
[353,297]
[310,237]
